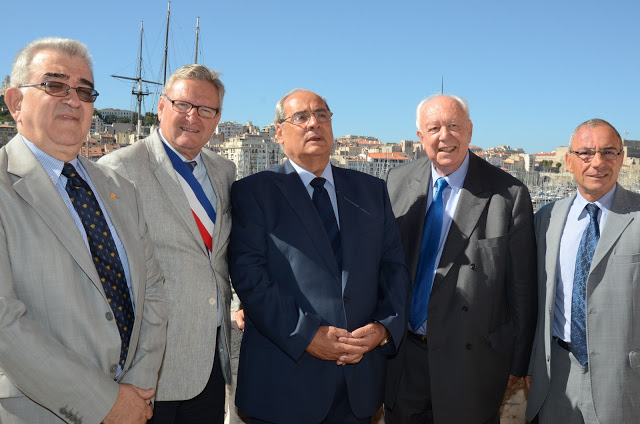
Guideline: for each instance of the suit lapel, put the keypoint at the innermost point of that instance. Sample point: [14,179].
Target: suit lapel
[472,202]
[617,220]
[551,243]
[294,191]
[216,178]
[36,188]
[417,193]
[111,195]
[166,175]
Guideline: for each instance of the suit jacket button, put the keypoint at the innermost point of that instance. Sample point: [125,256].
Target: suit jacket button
[468,346]
[465,308]
[472,266]
[212,301]
[63,411]
[113,368]
[346,299]
[109,316]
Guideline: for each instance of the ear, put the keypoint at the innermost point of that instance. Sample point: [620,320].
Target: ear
[13,98]
[160,108]
[279,137]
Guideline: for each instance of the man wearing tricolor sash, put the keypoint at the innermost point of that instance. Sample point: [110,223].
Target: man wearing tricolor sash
[185,191]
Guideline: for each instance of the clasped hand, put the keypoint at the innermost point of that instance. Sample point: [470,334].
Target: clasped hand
[344,347]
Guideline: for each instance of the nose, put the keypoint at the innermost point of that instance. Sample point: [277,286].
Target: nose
[313,121]
[444,132]
[597,159]
[72,98]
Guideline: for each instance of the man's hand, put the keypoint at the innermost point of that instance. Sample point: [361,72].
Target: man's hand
[239,316]
[326,345]
[132,406]
[367,337]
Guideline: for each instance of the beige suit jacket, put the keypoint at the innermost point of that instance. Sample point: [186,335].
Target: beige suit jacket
[613,309]
[59,344]
[194,283]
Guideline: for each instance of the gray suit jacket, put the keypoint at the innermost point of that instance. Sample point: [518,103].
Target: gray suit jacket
[481,313]
[59,344]
[613,308]
[194,283]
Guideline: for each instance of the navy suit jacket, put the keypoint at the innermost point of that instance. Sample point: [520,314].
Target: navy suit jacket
[283,269]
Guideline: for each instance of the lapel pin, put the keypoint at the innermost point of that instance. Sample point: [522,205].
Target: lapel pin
[113,196]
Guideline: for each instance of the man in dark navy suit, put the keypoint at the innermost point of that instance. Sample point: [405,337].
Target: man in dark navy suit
[316,259]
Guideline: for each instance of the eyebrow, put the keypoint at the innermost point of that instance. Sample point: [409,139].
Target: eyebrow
[66,77]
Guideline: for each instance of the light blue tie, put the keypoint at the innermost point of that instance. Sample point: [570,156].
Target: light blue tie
[586,250]
[428,254]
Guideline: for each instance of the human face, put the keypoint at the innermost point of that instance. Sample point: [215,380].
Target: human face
[445,133]
[56,125]
[308,145]
[188,132]
[595,178]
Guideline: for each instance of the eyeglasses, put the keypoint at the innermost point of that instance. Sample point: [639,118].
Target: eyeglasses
[587,155]
[185,107]
[60,89]
[301,118]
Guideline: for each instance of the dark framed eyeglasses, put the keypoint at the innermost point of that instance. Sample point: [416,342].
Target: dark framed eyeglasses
[60,89]
[587,155]
[185,107]
[301,118]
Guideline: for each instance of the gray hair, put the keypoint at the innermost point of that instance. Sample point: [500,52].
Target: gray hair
[279,116]
[464,105]
[196,72]
[21,68]
[592,123]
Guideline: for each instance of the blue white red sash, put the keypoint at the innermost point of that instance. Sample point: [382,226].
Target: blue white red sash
[201,207]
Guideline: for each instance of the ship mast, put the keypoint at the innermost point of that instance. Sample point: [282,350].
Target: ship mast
[166,45]
[195,60]
[139,93]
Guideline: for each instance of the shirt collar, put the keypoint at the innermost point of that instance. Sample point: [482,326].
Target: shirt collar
[197,159]
[604,203]
[51,165]
[307,176]
[456,178]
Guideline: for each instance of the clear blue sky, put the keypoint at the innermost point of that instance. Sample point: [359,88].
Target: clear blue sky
[531,70]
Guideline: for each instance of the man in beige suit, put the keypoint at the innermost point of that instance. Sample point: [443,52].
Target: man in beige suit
[585,364]
[82,308]
[185,192]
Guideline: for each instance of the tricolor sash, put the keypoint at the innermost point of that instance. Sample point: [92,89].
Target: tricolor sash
[201,207]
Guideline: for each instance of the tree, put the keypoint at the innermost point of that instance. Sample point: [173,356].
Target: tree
[5,115]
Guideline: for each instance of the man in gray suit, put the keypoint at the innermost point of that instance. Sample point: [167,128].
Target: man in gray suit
[83,314]
[585,364]
[467,232]
[185,192]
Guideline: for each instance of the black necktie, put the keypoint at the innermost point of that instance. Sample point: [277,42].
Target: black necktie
[104,252]
[322,202]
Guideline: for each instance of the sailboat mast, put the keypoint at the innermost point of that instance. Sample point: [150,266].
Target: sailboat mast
[139,94]
[195,60]
[166,45]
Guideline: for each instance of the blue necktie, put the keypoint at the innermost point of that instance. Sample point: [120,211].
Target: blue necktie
[322,202]
[586,250]
[104,253]
[428,254]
